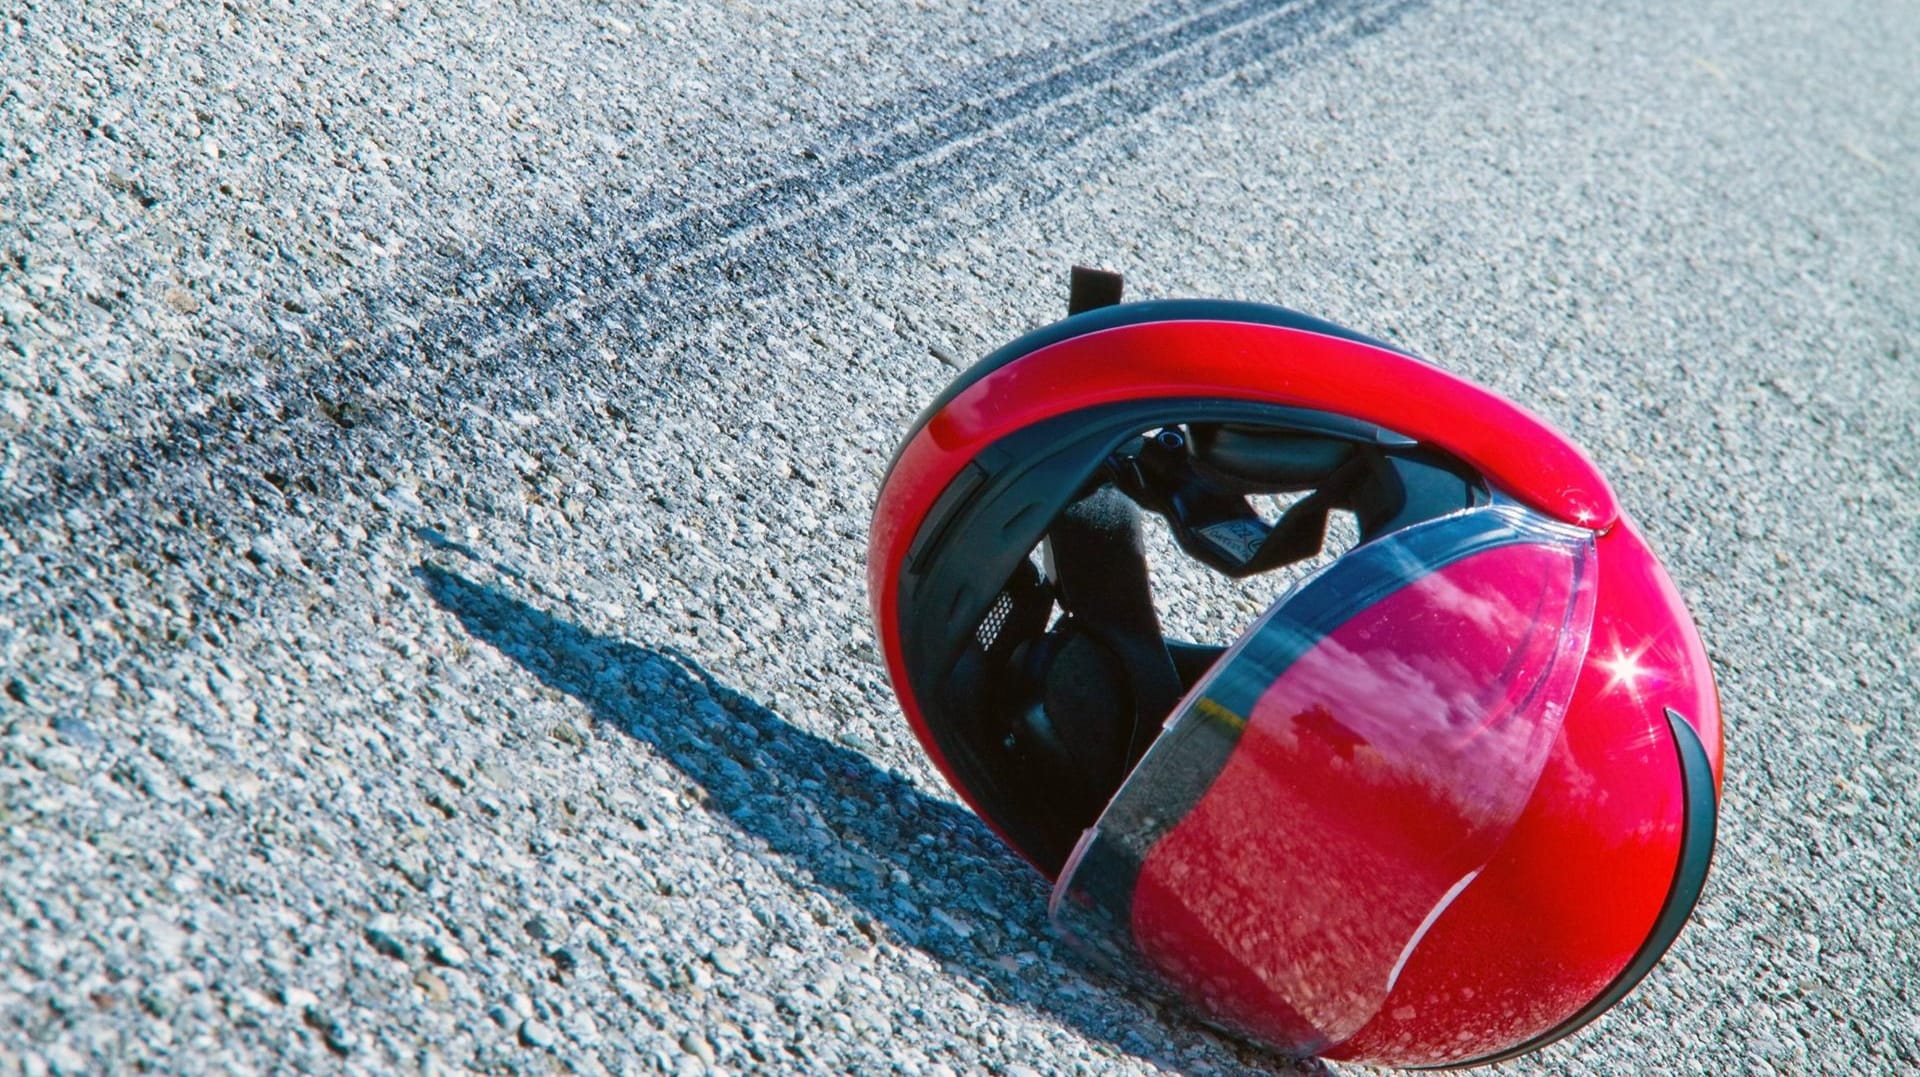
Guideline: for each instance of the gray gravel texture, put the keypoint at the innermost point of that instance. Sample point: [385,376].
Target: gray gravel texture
[439,438]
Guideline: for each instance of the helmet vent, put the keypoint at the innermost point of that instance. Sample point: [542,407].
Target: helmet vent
[988,631]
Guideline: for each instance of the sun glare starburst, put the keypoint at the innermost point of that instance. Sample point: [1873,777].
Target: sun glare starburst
[1626,670]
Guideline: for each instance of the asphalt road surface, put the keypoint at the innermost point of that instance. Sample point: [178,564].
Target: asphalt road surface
[437,441]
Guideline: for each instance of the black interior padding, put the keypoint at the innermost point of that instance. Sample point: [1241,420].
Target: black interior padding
[974,546]
[1193,660]
[1098,560]
[1253,460]
[1414,486]
[1087,712]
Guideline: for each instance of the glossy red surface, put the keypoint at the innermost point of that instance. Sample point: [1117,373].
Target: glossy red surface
[1378,774]
[1577,883]
[1516,451]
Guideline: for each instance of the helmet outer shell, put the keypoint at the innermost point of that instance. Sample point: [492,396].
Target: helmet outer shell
[1574,888]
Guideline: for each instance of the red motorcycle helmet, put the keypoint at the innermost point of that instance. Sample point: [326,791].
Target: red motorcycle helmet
[1446,801]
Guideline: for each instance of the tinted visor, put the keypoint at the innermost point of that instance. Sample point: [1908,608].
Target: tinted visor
[1339,778]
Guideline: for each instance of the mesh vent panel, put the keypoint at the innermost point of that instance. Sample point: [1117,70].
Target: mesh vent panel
[990,627]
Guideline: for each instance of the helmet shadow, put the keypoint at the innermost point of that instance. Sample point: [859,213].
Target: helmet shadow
[846,826]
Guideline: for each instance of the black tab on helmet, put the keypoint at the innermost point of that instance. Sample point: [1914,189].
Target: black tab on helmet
[1091,289]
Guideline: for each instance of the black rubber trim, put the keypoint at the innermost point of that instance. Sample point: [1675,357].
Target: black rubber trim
[1699,823]
[942,514]
[1113,317]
